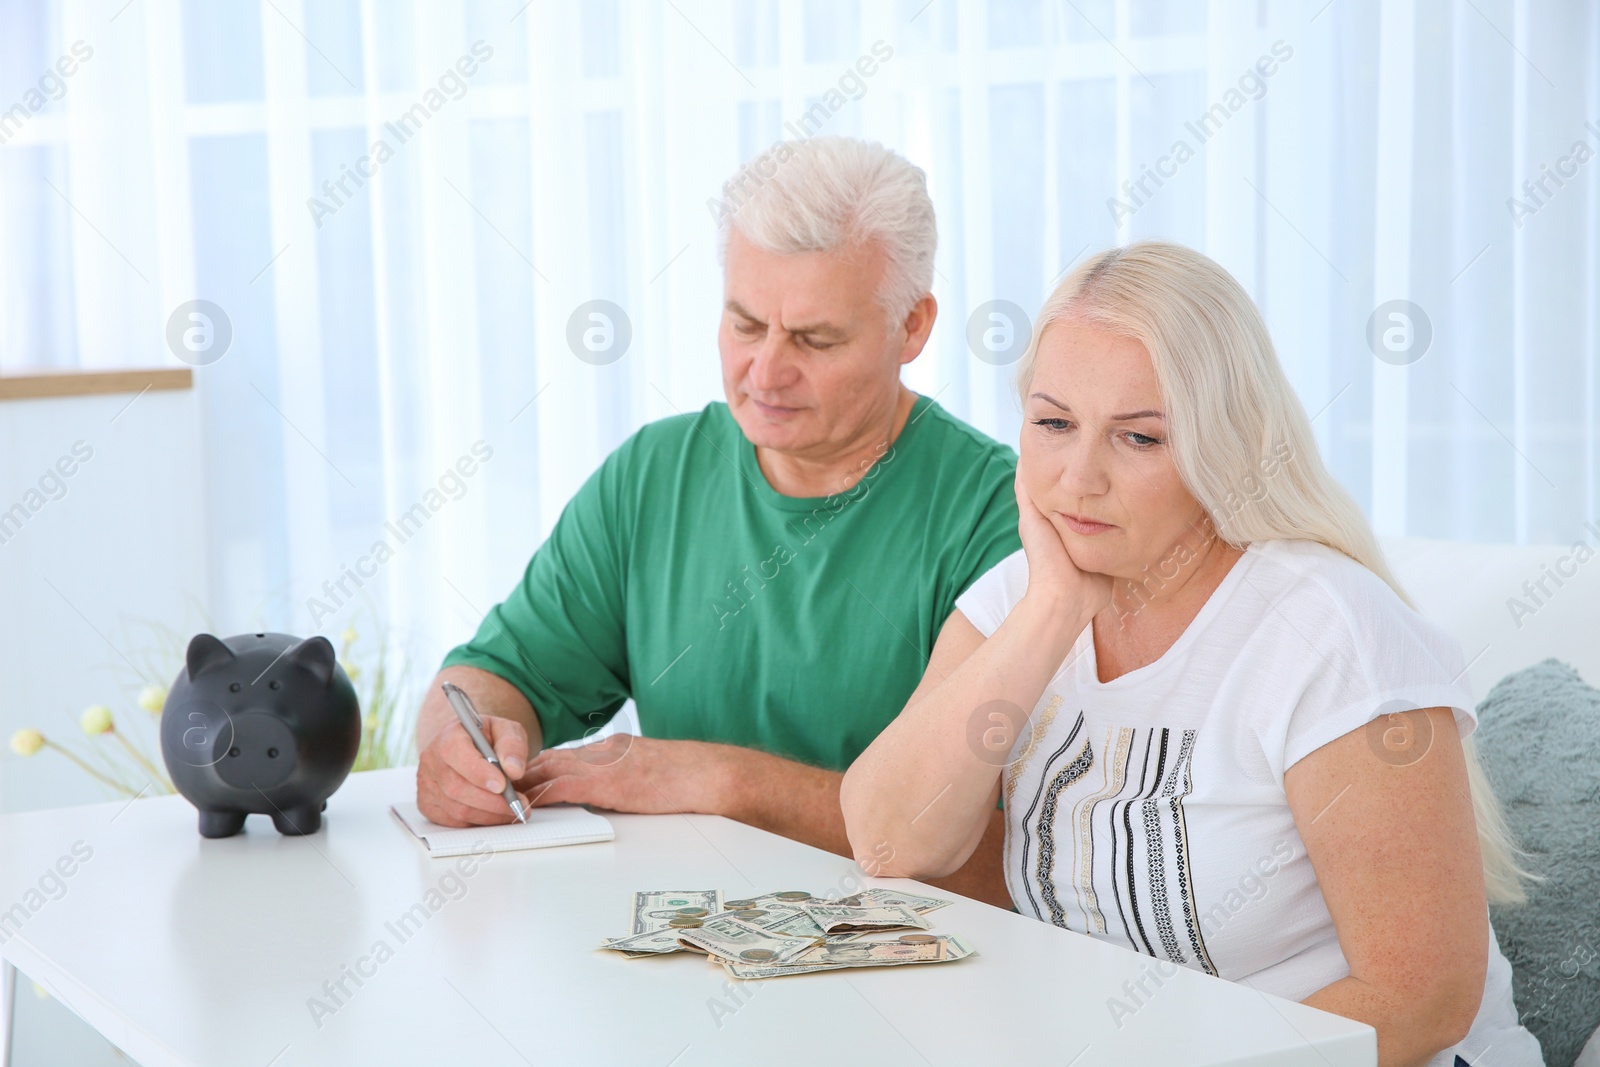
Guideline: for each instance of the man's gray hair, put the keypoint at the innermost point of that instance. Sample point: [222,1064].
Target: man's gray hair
[823,194]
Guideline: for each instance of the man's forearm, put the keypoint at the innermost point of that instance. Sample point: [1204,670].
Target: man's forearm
[779,795]
[491,695]
[802,803]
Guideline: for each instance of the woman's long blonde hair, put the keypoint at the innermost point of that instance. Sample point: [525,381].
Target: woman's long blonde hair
[1217,369]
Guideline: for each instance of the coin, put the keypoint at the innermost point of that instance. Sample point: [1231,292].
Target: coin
[693,911]
[917,939]
[735,905]
[793,894]
[758,955]
[684,922]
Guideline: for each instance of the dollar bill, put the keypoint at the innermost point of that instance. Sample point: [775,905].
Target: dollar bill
[839,918]
[794,922]
[770,915]
[907,950]
[783,898]
[654,909]
[658,916]
[869,897]
[766,912]
[650,943]
[732,939]
[799,924]
[763,915]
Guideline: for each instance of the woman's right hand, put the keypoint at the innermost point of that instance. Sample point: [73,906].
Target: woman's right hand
[1052,575]
[944,746]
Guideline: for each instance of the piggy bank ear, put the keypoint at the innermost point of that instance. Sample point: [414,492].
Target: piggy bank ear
[315,654]
[206,653]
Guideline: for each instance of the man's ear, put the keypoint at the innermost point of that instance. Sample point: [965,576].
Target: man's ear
[919,327]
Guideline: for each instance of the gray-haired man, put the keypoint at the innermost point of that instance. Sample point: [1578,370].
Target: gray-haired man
[765,577]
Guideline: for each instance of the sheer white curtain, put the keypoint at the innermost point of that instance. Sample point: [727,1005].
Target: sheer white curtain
[390,307]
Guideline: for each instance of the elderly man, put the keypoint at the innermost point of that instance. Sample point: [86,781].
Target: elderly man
[766,577]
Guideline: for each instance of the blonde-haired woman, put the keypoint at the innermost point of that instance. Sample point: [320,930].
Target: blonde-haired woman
[1222,734]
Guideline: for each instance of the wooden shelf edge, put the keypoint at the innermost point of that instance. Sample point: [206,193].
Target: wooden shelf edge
[93,382]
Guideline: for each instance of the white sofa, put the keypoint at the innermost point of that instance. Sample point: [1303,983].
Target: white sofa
[1468,588]
[1476,592]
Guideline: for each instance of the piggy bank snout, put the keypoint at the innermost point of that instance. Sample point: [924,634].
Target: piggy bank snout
[260,753]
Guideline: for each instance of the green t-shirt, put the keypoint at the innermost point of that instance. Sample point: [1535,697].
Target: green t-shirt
[799,626]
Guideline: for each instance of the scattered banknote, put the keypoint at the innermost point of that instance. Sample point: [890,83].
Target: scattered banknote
[728,938]
[902,951]
[786,897]
[774,917]
[837,918]
[657,912]
[654,943]
[787,932]
[655,909]
[869,897]
[767,915]
[782,922]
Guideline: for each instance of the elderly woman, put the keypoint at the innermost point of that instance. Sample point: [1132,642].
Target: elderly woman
[1223,736]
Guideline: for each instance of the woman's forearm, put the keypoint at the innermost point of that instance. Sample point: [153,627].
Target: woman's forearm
[923,790]
[1412,1027]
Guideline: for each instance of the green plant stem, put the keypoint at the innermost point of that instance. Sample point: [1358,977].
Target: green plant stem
[73,756]
[144,762]
[106,760]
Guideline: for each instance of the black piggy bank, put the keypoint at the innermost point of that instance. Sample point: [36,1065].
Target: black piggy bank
[260,723]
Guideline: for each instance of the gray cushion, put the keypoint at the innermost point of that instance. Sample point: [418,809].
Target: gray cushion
[1539,739]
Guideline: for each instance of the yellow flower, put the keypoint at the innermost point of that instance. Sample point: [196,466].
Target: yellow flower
[153,698]
[26,742]
[351,670]
[349,636]
[96,719]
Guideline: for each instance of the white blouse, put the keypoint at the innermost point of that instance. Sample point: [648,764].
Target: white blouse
[1149,811]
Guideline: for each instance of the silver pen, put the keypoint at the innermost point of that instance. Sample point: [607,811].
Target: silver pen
[469,718]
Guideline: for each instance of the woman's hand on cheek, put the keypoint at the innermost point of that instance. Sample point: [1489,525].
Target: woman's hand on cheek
[1051,572]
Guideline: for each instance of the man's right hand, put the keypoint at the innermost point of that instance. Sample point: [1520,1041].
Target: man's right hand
[458,787]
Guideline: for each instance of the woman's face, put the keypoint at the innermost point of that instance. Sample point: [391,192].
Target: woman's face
[1094,447]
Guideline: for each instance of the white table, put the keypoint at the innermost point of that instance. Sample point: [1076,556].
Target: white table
[193,953]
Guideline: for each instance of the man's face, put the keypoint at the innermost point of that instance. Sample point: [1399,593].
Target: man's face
[808,355]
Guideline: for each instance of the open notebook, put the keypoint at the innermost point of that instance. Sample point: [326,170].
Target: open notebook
[559,825]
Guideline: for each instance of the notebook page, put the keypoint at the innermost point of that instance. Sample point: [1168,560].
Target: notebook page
[545,828]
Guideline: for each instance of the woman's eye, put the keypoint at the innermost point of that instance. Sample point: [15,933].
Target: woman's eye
[1140,440]
[1053,425]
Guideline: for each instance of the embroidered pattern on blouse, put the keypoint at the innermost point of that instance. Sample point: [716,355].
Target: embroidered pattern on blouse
[1117,742]
[1047,818]
[1030,745]
[1155,863]
[1152,773]
[1025,822]
[1180,836]
[1040,727]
